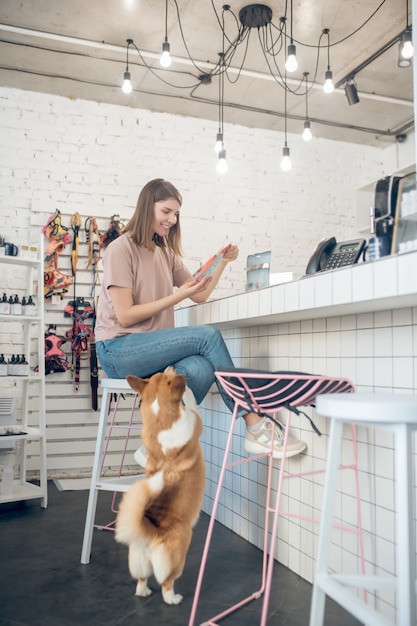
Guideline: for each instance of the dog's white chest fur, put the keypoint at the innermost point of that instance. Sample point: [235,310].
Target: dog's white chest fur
[180,432]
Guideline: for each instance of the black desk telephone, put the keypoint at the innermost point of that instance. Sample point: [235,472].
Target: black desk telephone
[330,255]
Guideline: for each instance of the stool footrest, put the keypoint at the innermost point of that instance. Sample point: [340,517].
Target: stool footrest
[118,484]
[388,583]
[350,601]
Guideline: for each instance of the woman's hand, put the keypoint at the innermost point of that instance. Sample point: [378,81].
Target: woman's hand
[231,254]
[193,287]
[200,290]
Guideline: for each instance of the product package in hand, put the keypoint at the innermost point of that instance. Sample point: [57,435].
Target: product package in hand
[209,266]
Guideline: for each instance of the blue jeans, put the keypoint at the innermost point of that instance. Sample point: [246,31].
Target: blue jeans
[194,351]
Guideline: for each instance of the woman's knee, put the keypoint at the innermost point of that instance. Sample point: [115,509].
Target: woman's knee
[211,334]
[199,374]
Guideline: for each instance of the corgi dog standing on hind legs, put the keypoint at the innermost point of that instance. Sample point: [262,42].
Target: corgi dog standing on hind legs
[157,514]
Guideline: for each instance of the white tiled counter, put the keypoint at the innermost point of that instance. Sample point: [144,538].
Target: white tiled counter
[359,322]
[389,283]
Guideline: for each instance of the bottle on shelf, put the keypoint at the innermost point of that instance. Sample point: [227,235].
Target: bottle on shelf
[31,308]
[4,305]
[22,366]
[16,308]
[3,366]
[11,366]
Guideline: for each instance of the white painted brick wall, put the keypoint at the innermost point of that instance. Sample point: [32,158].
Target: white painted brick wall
[80,156]
[94,158]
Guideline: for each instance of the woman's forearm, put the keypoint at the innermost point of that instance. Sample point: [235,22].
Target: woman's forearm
[129,314]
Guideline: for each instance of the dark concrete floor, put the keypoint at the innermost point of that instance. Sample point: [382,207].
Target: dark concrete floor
[42,582]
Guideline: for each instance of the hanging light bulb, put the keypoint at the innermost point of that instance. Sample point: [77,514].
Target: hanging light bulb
[286,161]
[219,142]
[219,147]
[127,85]
[328,86]
[165,59]
[307,135]
[406,49]
[291,62]
[222,163]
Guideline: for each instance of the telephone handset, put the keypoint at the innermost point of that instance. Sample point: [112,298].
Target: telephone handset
[330,255]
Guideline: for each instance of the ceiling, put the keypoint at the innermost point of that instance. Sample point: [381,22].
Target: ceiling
[77,49]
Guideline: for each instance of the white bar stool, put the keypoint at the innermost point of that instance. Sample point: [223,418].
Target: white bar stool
[117,387]
[398,414]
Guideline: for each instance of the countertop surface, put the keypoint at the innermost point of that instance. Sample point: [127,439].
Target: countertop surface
[389,283]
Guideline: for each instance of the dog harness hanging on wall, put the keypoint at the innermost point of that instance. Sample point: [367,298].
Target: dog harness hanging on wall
[79,335]
[55,282]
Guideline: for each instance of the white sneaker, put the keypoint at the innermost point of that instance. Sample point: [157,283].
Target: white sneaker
[260,441]
[141,456]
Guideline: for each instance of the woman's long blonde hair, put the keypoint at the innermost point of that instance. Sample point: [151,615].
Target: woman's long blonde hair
[140,224]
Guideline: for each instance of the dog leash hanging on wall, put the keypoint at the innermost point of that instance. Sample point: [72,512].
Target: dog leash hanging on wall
[92,237]
[80,334]
[75,225]
[55,282]
[93,241]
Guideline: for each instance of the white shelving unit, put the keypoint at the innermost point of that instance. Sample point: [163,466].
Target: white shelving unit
[28,390]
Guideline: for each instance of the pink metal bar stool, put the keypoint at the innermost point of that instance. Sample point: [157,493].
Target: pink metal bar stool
[266,392]
[109,423]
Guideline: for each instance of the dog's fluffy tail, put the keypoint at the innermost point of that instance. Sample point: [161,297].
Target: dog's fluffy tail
[131,520]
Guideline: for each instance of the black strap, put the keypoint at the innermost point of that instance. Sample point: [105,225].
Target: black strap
[260,413]
[293,409]
[298,411]
[94,375]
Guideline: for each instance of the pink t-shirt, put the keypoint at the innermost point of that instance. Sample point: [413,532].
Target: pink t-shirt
[150,274]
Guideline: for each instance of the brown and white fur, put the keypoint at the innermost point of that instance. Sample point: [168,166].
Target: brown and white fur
[157,514]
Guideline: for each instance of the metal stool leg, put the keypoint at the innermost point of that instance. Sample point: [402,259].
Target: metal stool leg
[92,498]
[212,521]
[406,574]
[330,484]
[274,530]
[269,544]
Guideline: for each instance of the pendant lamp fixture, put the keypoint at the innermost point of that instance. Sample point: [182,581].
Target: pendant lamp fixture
[222,163]
[328,86]
[291,64]
[221,167]
[165,59]
[406,49]
[219,142]
[219,147]
[127,85]
[258,18]
[307,135]
[286,161]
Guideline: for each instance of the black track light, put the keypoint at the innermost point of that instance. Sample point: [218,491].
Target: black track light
[351,92]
